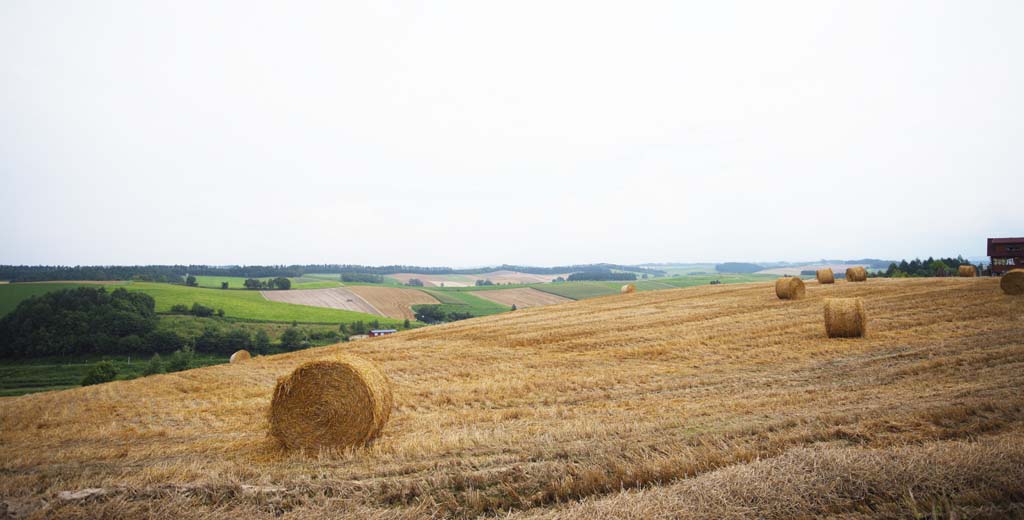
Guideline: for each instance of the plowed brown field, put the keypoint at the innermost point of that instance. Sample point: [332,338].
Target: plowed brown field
[522,298]
[708,402]
[394,302]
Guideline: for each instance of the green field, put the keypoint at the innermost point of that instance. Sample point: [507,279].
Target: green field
[40,375]
[11,294]
[237,282]
[583,290]
[249,305]
[464,301]
[191,327]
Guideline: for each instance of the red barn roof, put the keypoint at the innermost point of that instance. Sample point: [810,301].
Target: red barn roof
[992,242]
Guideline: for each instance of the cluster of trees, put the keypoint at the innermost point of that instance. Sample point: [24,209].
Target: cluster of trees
[436,314]
[482,283]
[929,267]
[197,309]
[362,278]
[79,321]
[601,276]
[274,283]
[414,282]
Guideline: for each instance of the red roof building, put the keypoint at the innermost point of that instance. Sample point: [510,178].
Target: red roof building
[1006,254]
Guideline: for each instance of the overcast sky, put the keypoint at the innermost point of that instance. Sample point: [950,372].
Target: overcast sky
[471,133]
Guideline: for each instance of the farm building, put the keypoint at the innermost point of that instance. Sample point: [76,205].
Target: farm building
[381,332]
[1006,254]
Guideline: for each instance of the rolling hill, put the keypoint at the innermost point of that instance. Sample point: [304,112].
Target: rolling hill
[714,401]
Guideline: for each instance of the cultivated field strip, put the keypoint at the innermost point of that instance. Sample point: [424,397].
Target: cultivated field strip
[333,298]
[716,401]
[522,298]
[394,302]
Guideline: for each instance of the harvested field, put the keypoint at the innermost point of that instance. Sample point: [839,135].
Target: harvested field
[707,402]
[435,280]
[522,298]
[468,280]
[334,298]
[393,302]
[504,277]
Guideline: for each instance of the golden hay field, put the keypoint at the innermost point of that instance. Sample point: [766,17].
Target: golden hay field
[710,402]
[522,298]
[393,302]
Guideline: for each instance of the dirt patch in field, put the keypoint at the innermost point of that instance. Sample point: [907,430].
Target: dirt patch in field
[333,298]
[522,298]
[393,302]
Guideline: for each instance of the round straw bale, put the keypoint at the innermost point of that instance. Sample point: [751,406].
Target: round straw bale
[845,318]
[825,275]
[1013,282]
[967,271]
[628,288]
[239,356]
[856,274]
[789,288]
[331,403]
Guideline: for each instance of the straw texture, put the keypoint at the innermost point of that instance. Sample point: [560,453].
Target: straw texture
[1013,282]
[333,403]
[856,274]
[845,318]
[239,356]
[825,275]
[789,288]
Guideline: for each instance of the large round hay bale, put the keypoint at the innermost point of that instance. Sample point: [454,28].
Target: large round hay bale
[845,318]
[333,403]
[967,271]
[789,288]
[239,356]
[628,288]
[825,275]
[856,274]
[1013,282]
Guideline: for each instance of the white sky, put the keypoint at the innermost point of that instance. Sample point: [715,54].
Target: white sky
[446,133]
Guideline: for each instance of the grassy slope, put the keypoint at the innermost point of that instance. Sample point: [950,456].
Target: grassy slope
[12,294]
[709,402]
[464,301]
[43,374]
[245,304]
[236,282]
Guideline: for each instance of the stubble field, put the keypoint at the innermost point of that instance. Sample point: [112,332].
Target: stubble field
[716,401]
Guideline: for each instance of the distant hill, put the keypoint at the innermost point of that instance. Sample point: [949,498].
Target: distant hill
[738,267]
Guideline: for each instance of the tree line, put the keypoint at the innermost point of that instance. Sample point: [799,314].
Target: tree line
[601,276]
[930,267]
[88,320]
[177,273]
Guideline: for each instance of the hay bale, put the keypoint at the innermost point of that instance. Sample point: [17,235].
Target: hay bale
[967,271]
[1013,282]
[856,274]
[825,275]
[628,288]
[332,403]
[239,356]
[789,288]
[845,318]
